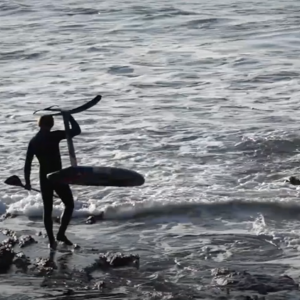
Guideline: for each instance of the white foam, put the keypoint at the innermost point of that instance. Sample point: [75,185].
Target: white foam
[32,206]
[120,206]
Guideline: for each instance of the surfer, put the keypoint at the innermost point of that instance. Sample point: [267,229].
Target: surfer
[45,146]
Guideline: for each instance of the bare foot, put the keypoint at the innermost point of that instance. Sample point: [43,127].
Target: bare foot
[64,239]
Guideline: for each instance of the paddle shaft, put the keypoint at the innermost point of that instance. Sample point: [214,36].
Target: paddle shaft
[36,190]
[71,149]
[33,189]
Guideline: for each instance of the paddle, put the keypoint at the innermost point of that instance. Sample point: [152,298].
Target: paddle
[16,181]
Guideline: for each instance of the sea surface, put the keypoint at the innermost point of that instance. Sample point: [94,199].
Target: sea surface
[202,98]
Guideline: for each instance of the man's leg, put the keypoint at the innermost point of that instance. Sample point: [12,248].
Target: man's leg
[47,196]
[66,196]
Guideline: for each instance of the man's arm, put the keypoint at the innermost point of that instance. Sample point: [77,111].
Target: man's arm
[27,167]
[74,130]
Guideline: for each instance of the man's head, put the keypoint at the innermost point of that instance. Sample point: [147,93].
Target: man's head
[46,122]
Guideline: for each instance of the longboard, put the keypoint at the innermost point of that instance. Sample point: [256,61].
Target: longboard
[97,176]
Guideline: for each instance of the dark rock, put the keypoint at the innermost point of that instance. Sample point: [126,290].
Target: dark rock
[6,258]
[39,233]
[8,232]
[45,266]
[112,260]
[221,272]
[94,219]
[68,292]
[90,220]
[44,262]
[8,216]
[44,235]
[10,242]
[26,240]
[76,247]
[99,285]
[263,284]
[118,260]
[21,261]
[84,275]
[293,180]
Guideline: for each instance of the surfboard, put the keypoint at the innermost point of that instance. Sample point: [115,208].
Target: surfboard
[97,176]
[90,175]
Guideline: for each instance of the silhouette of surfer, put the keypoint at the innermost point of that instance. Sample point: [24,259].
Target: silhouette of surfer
[45,146]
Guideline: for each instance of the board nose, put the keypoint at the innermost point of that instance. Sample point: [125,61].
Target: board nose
[139,180]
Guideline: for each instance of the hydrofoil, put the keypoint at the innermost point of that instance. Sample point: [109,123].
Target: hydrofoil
[89,175]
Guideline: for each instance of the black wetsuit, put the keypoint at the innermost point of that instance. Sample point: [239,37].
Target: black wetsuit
[45,146]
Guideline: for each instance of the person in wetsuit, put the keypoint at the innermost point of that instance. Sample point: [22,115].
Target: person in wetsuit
[45,146]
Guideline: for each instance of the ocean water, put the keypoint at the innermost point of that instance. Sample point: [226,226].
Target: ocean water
[201,97]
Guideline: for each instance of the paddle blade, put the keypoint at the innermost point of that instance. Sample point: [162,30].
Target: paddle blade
[14,180]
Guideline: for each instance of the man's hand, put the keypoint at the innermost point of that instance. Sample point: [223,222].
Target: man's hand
[27,186]
[65,113]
